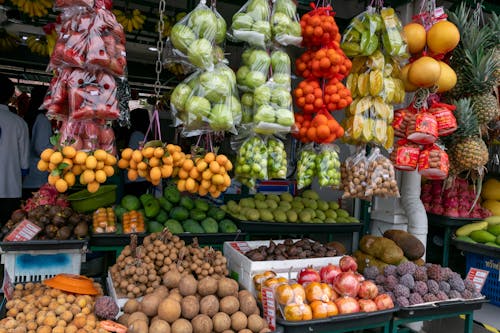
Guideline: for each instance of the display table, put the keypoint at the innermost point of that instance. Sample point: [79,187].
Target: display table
[449,224]
[437,311]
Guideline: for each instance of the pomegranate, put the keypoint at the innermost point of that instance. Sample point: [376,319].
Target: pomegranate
[367,305]
[329,272]
[346,284]
[347,304]
[307,275]
[367,290]
[360,277]
[348,263]
[384,302]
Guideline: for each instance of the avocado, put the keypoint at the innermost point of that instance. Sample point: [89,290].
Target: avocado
[193,227]
[162,216]
[482,236]
[210,225]
[202,205]
[197,214]
[228,226]
[130,202]
[154,226]
[186,202]
[119,211]
[216,213]
[179,213]
[165,204]
[174,226]
[172,194]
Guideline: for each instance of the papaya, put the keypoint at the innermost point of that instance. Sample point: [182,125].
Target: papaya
[412,247]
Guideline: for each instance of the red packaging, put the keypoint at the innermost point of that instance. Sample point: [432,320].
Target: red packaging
[433,163]
[422,128]
[405,155]
[400,123]
[446,121]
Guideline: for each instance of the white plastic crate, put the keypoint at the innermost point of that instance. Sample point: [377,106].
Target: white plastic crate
[243,269]
[37,265]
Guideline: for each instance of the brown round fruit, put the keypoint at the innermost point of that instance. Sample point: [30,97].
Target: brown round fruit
[162,291]
[256,323]
[149,304]
[159,326]
[227,287]
[229,305]
[123,319]
[248,305]
[221,322]
[209,305]
[207,286]
[188,285]
[138,326]
[137,316]
[171,279]
[182,326]
[202,324]
[169,310]
[131,306]
[239,321]
[245,330]
[190,307]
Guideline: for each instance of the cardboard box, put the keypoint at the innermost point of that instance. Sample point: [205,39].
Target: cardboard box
[243,269]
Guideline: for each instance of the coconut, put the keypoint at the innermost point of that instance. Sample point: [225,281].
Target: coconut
[202,324]
[131,306]
[238,321]
[169,310]
[188,285]
[190,307]
[137,316]
[209,305]
[149,304]
[221,322]
[138,326]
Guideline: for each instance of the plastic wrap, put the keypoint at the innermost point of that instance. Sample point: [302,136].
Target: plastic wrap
[252,161]
[393,38]
[251,23]
[285,25]
[361,36]
[273,111]
[400,122]
[355,176]
[319,27]
[446,121]
[405,155]
[433,163]
[247,107]
[56,100]
[195,36]
[254,69]
[422,128]
[60,4]
[87,135]
[207,100]
[328,166]
[306,166]
[281,68]
[276,159]
[381,176]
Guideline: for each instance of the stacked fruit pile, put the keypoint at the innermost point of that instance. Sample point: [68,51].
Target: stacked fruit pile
[457,200]
[486,232]
[306,208]
[330,291]
[163,257]
[375,41]
[188,305]
[409,284]
[322,66]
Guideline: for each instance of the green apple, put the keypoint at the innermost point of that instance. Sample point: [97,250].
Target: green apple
[220,33]
[280,62]
[179,96]
[262,27]
[215,86]
[259,60]
[262,95]
[241,74]
[259,9]
[200,53]
[228,73]
[235,107]
[181,37]
[204,23]
[198,106]
[282,79]
[287,7]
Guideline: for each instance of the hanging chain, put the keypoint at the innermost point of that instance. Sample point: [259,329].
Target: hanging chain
[159,48]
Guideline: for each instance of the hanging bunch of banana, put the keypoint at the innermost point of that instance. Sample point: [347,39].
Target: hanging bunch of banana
[8,41]
[34,8]
[38,45]
[130,20]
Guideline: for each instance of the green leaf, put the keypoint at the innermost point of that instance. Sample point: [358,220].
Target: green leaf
[54,139]
[63,166]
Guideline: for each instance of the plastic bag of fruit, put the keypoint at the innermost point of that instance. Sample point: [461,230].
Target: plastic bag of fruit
[306,166]
[285,26]
[281,68]
[254,69]
[422,127]
[393,38]
[195,37]
[328,166]
[56,99]
[92,95]
[446,121]
[246,107]
[273,110]
[362,35]
[276,159]
[381,176]
[251,23]
[86,135]
[207,100]
[354,173]
[251,163]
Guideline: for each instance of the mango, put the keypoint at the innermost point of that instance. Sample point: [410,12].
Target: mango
[482,236]
[465,239]
[465,230]
[493,220]
[494,229]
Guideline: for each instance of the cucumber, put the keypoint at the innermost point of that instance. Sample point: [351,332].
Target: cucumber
[465,230]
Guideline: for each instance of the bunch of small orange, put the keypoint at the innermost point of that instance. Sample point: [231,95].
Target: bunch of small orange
[203,175]
[66,163]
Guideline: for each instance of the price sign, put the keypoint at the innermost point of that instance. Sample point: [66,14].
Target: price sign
[25,231]
[269,307]
[241,247]
[478,277]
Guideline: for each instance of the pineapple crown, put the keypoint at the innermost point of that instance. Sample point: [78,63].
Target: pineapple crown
[467,123]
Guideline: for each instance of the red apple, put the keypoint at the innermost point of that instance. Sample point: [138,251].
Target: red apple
[348,263]
[367,305]
[347,304]
[367,290]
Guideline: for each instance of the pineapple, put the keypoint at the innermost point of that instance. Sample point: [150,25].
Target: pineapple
[485,106]
[466,150]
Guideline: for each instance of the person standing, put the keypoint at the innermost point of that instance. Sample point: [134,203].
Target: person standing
[40,131]
[14,152]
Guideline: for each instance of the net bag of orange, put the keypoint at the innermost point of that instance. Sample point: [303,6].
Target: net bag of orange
[319,26]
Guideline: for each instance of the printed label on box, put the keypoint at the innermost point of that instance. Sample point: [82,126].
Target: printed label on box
[269,307]
[478,277]
[25,231]
[8,286]
[241,247]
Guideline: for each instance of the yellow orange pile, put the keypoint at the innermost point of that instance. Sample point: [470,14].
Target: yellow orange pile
[67,163]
